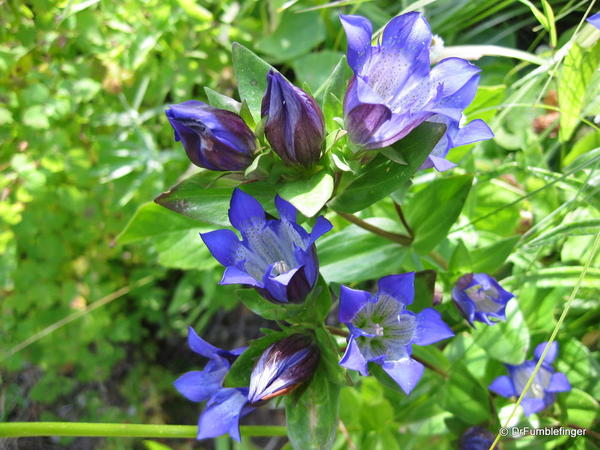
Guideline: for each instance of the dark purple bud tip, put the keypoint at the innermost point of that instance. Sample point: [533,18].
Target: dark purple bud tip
[213,138]
[282,367]
[294,127]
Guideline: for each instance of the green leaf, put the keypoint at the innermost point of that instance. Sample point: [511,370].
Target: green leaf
[222,101]
[489,259]
[580,228]
[460,261]
[329,355]
[314,69]
[465,397]
[251,75]
[381,176]
[506,341]
[581,407]
[424,290]
[312,413]
[432,211]
[261,306]
[317,305]
[579,365]
[573,83]
[239,374]
[295,35]
[355,254]
[330,93]
[309,195]
[557,277]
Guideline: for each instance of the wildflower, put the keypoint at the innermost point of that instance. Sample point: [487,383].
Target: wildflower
[294,126]
[394,90]
[545,385]
[213,138]
[479,297]
[476,438]
[277,257]
[283,367]
[383,331]
[223,413]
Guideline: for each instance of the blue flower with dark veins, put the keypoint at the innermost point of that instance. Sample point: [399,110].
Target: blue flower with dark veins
[394,89]
[383,331]
[479,297]
[283,367]
[225,406]
[213,138]
[294,126]
[544,387]
[275,256]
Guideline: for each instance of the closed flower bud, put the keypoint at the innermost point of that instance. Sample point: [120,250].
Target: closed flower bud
[282,367]
[213,138]
[294,127]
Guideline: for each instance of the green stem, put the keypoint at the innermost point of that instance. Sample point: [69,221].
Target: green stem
[28,429]
[394,237]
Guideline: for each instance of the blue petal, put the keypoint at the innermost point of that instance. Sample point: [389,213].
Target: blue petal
[358,34]
[198,386]
[533,405]
[550,356]
[503,386]
[351,301]
[200,346]
[457,81]
[245,211]
[558,383]
[223,245]
[233,275]
[475,131]
[406,372]
[286,210]
[278,286]
[594,20]
[353,358]
[400,287]
[222,414]
[465,305]
[430,328]
[322,226]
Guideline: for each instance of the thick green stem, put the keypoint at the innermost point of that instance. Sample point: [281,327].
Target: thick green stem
[394,237]
[29,429]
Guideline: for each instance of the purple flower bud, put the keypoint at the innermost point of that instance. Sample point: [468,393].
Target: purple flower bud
[294,127]
[213,138]
[476,438]
[480,298]
[282,367]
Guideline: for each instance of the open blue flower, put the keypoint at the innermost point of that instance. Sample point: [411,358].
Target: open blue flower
[480,298]
[277,257]
[383,331]
[283,367]
[545,385]
[213,138]
[394,90]
[225,406]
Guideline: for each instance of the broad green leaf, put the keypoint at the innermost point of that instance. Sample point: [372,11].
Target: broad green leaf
[315,68]
[460,261]
[579,365]
[309,195]
[465,397]
[381,176]
[567,276]
[193,9]
[222,101]
[295,35]
[311,413]
[581,408]
[261,306]
[489,259]
[355,254]
[330,94]
[424,290]
[239,374]
[329,355]
[251,75]
[506,341]
[463,349]
[580,228]
[432,211]
[573,82]
[540,306]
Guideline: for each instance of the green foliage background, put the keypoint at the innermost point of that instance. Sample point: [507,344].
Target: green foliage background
[83,87]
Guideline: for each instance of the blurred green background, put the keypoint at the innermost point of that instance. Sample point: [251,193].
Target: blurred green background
[84,143]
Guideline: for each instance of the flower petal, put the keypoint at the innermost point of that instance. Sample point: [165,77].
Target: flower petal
[400,287]
[358,34]
[200,346]
[198,386]
[558,383]
[286,210]
[550,356]
[475,131]
[233,275]
[503,386]
[351,301]
[322,226]
[222,414]
[353,359]
[430,328]
[222,244]
[533,405]
[406,372]
[245,211]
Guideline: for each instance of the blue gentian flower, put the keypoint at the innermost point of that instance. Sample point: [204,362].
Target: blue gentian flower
[294,126]
[394,90]
[225,406]
[383,331]
[283,367]
[479,297]
[594,20]
[545,385]
[213,138]
[277,257]
[476,438]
